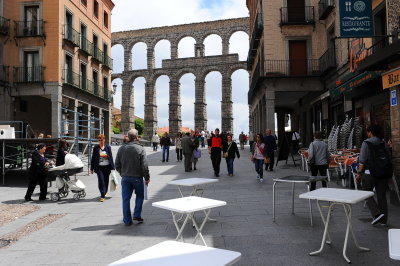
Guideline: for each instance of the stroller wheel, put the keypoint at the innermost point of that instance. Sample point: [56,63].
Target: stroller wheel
[55,196]
[77,196]
[82,194]
[63,193]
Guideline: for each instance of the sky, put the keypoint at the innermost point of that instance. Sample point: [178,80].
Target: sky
[136,14]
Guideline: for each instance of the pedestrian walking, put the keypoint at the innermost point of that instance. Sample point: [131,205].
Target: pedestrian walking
[155,140]
[102,163]
[37,173]
[318,158]
[251,141]
[258,156]
[131,164]
[230,150]
[214,149]
[165,142]
[178,146]
[187,148]
[374,170]
[195,145]
[270,148]
[203,138]
[242,140]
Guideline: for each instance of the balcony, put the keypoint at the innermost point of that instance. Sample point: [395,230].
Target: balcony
[297,15]
[255,40]
[4,26]
[4,74]
[292,68]
[75,80]
[98,55]
[34,28]
[71,35]
[327,61]
[86,46]
[108,62]
[29,74]
[325,7]
[384,50]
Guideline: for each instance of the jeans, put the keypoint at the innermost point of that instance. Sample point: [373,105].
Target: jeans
[129,184]
[259,163]
[229,165]
[103,178]
[202,142]
[314,172]
[369,183]
[165,149]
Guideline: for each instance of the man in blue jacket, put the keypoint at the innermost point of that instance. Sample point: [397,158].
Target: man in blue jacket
[270,147]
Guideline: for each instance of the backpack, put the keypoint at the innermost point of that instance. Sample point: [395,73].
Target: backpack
[379,163]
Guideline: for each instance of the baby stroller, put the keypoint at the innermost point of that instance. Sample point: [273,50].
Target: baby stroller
[72,166]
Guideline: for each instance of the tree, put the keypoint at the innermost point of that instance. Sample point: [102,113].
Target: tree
[139,125]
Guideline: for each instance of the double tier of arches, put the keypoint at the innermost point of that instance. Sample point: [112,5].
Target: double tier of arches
[164,74]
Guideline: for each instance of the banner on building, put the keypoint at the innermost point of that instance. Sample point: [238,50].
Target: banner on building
[391,79]
[356,18]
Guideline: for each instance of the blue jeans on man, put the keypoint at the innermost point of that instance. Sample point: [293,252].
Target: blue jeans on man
[229,165]
[130,184]
[165,149]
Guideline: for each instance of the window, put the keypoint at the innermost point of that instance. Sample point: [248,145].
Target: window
[83,76]
[32,70]
[68,69]
[105,48]
[84,2]
[96,9]
[105,19]
[105,83]
[83,45]
[31,20]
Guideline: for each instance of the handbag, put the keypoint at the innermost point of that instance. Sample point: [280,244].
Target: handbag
[225,154]
[114,181]
[266,160]
[197,153]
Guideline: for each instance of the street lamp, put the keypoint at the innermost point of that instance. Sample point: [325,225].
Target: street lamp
[114,88]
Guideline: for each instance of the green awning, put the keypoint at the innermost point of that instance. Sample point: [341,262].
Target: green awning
[355,82]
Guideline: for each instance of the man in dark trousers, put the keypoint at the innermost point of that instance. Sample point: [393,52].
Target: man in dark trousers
[270,147]
[215,148]
[187,150]
[374,170]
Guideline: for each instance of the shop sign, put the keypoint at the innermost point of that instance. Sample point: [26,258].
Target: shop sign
[357,53]
[393,98]
[355,82]
[356,18]
[391,79]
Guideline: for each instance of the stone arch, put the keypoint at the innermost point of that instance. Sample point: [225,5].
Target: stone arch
[161,47]
[117,50]
[213,46]
[162,88]
[139,62]
[240,110]
[178,75]
[186,50]
[238,41]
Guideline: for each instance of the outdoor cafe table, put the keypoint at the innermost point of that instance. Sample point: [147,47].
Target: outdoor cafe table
[173,253]
[295,179]
[188,206]
[336,196]
[394,243]
[192,182]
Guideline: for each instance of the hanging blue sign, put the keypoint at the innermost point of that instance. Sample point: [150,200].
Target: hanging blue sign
[393,98]
[356,18]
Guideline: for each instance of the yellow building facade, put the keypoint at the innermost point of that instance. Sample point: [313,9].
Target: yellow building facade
[56,66]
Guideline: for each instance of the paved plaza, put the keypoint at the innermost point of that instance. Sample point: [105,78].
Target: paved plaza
[92,232]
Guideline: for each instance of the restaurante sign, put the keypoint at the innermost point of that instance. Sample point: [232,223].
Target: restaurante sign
[356,18]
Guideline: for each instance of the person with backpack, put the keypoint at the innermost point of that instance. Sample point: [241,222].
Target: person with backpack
[374,170]
[318,158]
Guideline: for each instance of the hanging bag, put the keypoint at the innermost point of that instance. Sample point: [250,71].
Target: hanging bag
[225,154]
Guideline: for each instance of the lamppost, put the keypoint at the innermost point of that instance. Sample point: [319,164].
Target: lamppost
[114,90]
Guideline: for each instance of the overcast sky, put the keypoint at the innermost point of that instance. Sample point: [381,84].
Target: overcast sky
[136,14]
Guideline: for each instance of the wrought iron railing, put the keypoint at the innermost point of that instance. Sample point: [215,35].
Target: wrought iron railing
[74,79]
[86,46]
[4,26]
[30,28]
[327,61]
[297,15]
[108,61]
[29,74]
[71,35]
[324,8]
[292,68]
[97,54]
[378,44]
[4,74]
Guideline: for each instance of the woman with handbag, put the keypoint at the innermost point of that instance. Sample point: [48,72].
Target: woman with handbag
[230,149]
[318,158]
[102,163]
[258,156]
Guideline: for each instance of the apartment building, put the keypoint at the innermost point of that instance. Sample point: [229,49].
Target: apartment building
[301,67]
[55,56]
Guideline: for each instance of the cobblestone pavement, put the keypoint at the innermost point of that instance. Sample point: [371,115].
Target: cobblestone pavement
[92,233]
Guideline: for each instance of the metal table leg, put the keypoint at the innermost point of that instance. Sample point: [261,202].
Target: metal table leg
[293,185]
[198,229]
[180,230]
[325,230]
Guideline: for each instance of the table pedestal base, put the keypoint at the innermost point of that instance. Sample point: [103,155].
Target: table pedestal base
[347,210]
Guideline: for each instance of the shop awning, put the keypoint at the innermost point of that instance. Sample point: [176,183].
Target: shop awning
[355,82]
